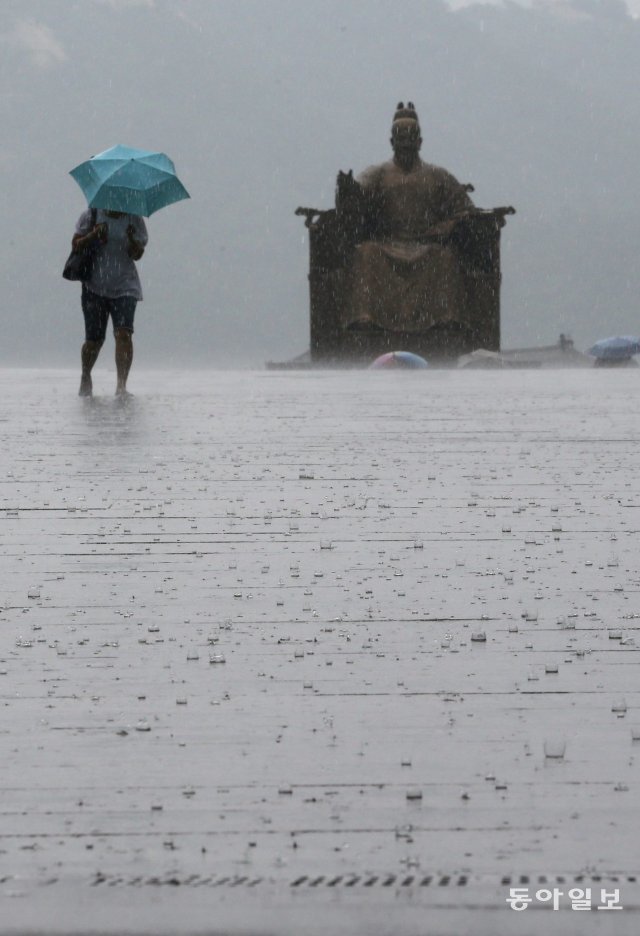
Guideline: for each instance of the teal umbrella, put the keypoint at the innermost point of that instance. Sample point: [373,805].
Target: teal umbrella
[131,180]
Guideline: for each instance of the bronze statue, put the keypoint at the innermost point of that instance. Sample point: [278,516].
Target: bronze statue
[405,260]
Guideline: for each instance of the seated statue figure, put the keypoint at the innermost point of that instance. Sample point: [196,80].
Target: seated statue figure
[404,260]
[411,209]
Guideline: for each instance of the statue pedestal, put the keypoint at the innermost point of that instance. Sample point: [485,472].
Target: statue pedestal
[472,302]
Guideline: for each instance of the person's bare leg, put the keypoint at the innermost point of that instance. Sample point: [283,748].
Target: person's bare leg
[89,356]
[124,357]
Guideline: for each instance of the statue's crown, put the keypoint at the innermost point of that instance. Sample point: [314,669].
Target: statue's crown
[406,113]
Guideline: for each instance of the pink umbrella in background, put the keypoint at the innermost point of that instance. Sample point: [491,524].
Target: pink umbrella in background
[405,360]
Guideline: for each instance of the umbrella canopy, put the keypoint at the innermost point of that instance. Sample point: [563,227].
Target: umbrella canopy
[135,181]
[399,359]
[623,346]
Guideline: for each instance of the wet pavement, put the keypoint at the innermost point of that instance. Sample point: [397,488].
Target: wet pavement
[325,652]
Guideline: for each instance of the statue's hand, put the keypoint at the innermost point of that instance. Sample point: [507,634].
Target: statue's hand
[441,231]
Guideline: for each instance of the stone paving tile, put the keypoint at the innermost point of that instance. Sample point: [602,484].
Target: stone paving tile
[284,652]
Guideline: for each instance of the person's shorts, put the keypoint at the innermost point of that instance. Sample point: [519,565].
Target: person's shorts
[97,310]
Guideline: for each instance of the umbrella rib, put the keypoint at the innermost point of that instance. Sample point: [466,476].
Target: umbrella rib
[112,177]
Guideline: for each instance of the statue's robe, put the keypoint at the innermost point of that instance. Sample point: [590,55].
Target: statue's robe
[403,280]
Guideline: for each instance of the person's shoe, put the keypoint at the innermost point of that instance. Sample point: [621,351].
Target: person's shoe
[86,386]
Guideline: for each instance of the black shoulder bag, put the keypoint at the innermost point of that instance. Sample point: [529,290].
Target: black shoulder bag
[80,262]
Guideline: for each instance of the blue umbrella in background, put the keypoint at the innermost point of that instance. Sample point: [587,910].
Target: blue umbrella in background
[615,349]
[135,181]
[399,359]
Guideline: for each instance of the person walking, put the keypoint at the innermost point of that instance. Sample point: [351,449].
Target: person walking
[116,240]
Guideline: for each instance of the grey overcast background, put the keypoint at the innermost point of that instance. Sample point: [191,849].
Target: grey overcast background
[260,102]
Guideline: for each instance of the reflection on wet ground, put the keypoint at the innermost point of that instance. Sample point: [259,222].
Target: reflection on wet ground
[318,652]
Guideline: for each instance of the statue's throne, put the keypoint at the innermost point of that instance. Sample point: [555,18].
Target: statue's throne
[473,318]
